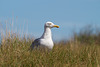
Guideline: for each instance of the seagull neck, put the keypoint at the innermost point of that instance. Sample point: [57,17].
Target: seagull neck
[47,33]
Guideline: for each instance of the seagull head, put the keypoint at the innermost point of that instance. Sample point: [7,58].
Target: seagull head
[51,25]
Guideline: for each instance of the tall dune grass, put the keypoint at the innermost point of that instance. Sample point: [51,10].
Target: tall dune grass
[81,51]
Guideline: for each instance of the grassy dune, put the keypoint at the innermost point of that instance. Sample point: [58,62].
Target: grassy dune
[14,52]
[82,51]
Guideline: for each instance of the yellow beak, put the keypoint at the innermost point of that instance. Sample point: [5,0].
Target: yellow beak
[56,26]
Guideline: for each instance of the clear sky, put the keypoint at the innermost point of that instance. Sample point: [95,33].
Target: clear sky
[29,16]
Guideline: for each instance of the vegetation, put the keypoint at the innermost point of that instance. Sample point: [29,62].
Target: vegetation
[81,51]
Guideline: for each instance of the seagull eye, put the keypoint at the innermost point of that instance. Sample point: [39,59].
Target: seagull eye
[49,23]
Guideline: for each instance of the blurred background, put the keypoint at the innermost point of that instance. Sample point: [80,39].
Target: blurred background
[27,17]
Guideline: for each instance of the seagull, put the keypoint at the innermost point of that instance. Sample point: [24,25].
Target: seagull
[46,39]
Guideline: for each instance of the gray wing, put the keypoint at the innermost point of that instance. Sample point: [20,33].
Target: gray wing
[35,43]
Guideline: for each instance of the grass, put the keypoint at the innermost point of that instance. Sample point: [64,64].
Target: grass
[78,52]
[14,52]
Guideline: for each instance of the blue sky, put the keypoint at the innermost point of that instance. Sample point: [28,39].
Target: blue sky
[29,16]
